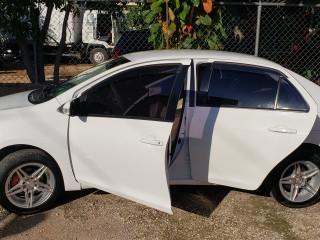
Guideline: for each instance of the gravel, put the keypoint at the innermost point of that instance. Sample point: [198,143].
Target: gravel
[199,212]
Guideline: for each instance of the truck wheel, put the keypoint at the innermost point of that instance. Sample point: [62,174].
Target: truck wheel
[30,181]
[98,55]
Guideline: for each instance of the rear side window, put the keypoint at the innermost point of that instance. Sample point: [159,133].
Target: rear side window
[290,99]
[237,88]
[242,86]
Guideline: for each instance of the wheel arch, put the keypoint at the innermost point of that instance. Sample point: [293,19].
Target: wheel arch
[13,148]
[304,150]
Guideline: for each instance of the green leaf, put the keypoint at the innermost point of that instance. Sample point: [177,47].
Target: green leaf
[214,38]
[150,17]
[195,2]
[185,11]
[187,43]
[205,20]
[216,27]
[200,34]
[177,4]
[152,38]
[145,13]
[172,28]
[218,17]
[158,10]
[223,32]
[156,4]
[155,27]
[212,45]
[198,22]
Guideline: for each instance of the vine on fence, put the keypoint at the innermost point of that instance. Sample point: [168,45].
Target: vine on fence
[185,24]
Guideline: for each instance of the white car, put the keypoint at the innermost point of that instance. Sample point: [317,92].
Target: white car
[139,123]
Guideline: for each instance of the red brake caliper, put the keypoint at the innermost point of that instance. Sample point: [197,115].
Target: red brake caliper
[15,180]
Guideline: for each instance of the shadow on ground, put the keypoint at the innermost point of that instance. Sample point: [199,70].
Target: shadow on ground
[203,200]
[13,224]
[72,196]
[200,200]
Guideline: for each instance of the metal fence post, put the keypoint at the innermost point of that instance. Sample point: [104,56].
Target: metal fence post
[259,10]
[35,59]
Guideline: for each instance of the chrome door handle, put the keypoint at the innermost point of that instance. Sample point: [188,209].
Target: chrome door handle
[282,129]
[151,141]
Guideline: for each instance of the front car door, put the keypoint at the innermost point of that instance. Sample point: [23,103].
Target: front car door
[118,140]
[246,120]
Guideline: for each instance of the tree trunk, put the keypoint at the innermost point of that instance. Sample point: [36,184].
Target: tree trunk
[38,40]
[61,47]
[26,58]
[39,62]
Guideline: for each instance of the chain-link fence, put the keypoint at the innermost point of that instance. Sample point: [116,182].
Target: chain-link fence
[285,33]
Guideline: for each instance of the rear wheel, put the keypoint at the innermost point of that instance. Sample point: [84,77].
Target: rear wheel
[30,181]
[297,183]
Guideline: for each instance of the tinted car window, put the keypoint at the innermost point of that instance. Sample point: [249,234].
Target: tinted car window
[242,89]
[290,99]
[132,41]
[48,92]
[142,92]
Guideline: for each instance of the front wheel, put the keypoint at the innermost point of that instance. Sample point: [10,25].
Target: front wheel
[297,183]
[30,181]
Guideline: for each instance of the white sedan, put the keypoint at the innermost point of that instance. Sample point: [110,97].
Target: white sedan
[134,125]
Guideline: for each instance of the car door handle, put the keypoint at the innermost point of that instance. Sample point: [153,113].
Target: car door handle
[151,141]
[282,129]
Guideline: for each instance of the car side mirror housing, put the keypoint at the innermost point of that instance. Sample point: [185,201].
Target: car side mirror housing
[71,108]
[74,108]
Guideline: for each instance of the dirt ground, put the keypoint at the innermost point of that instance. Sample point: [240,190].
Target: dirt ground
[210,212]
[15,72]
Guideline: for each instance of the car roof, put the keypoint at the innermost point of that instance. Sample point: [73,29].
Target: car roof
[154,55]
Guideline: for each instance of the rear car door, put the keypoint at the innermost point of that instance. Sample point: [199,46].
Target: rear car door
[246,120]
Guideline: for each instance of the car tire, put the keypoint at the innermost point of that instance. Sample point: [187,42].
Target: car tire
[30,181]
[98,55]
[296,182]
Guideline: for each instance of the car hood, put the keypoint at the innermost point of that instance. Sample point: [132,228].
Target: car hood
[17,100]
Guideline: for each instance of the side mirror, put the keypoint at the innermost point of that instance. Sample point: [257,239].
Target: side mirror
[74,107]
[70,108]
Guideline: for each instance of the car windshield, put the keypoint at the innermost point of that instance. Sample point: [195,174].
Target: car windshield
[48,92]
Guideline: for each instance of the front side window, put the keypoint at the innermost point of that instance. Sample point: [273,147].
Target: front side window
[140,93]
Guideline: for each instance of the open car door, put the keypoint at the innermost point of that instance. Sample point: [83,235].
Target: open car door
[118,136]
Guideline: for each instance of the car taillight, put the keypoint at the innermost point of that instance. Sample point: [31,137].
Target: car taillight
[116,52]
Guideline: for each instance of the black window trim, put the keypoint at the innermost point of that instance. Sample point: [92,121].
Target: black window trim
[282,79]
[204,88]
